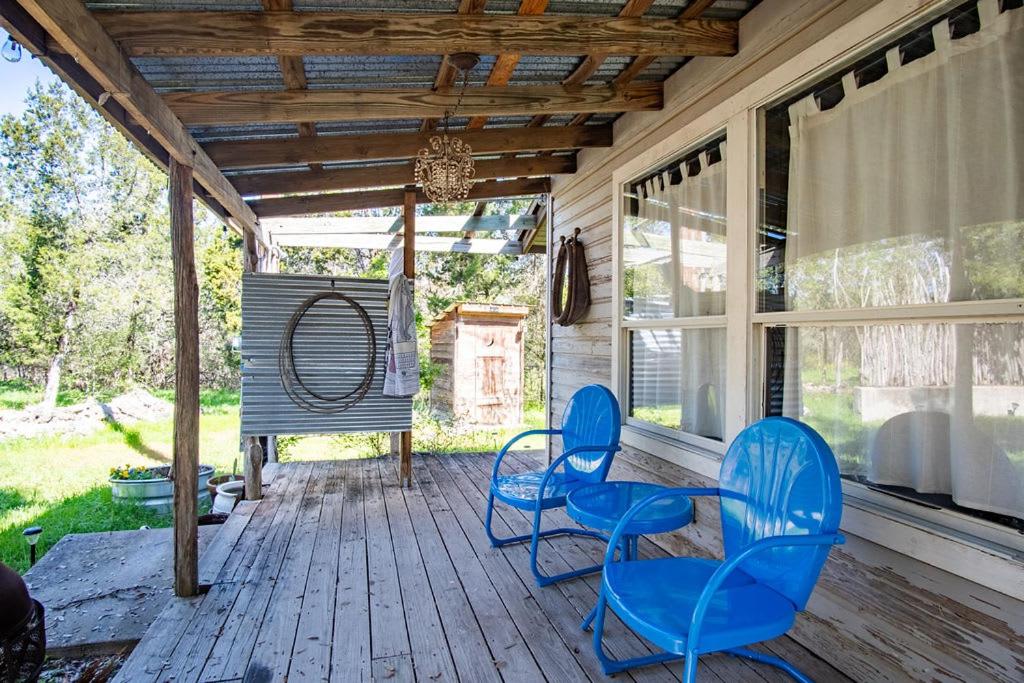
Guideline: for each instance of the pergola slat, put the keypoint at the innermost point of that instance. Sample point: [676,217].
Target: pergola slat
[353,225]
[78,33]
[335,180]
[354,201]
[357,33]
[459,245]
[296,106]
[337,148]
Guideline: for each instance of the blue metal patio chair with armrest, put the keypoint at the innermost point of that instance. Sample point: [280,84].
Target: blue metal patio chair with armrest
[591,424]
[781,502]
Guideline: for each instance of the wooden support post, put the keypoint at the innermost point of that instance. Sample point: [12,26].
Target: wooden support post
[185,467]
[252,451]
[409,269]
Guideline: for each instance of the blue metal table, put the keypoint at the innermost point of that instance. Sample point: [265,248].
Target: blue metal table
[602,505]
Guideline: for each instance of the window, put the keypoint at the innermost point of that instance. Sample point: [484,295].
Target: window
[890,263]
[673,295]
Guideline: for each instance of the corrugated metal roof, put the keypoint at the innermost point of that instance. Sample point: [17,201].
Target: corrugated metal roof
[183,74]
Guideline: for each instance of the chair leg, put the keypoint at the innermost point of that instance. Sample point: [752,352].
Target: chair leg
[771,660]
[612,666]
[690,667]
[537,534]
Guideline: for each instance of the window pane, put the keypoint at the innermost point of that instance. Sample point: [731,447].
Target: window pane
[647,268]
[674,261]
[897,181]
[677,379]
[935,411]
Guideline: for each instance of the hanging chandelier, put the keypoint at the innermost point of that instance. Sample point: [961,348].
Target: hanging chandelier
[444,168]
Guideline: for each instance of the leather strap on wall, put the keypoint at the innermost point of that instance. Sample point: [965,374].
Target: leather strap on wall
[571,265]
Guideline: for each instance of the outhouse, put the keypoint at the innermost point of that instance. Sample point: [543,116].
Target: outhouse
[479,349]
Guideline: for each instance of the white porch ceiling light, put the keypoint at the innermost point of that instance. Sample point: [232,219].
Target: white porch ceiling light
[444,168]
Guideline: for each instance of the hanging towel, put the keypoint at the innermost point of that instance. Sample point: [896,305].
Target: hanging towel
[402,363]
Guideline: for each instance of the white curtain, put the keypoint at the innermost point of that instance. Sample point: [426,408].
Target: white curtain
[890,194]
[694,208]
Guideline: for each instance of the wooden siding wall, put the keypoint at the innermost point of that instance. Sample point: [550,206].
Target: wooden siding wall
[876,614]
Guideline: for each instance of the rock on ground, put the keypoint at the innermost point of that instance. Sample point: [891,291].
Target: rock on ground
[137,405]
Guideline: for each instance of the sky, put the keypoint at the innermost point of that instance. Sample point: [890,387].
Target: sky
[17,78]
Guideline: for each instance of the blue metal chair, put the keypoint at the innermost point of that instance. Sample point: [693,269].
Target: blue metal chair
[590,431]
[781,501]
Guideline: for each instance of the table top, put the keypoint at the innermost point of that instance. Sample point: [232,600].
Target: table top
[602,505]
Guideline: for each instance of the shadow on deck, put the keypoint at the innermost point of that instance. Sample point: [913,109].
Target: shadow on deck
[339,574]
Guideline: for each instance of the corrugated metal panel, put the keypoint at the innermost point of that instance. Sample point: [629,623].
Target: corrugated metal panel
[329,345]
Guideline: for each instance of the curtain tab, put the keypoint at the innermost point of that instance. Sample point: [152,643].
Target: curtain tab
[942,36]
[849,83]
[893,59]
[988,10]
[702,159]
[721,149]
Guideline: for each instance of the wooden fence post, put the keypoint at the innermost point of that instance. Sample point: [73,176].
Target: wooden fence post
[409,269]
[252,451]
[185,467]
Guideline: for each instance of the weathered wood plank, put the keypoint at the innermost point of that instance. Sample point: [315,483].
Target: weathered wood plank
[324,149]
[470,655]
[394,33]
[345,225]
[293,106]
[352,201]
[311,653]
[389,636]
[350,655]
[564,656]
[512,656]
[336,180]
[430,656]
[230,654]
[271,656]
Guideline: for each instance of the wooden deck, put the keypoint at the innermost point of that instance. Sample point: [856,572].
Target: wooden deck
[340,575]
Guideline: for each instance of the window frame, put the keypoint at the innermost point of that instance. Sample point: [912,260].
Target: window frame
[968,547]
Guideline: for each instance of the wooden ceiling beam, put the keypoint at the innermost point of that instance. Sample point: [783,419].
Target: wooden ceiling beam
[458,245]
[296,106]
[78,33]
[393,225]
[356,201]
[335,180]
[169,33]
[338,148]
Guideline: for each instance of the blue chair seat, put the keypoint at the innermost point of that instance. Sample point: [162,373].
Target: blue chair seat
[521,490]
[657,599]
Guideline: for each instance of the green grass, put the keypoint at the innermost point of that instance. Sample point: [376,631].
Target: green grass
[16,394]
[60,482]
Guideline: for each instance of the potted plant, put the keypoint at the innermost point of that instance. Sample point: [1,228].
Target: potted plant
[151,486]
[212,485]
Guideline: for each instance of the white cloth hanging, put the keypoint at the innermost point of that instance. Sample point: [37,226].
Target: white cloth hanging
[401,358]
[889,193]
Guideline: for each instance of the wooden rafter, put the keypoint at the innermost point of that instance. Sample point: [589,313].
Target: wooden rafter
[293,70]
[76,30]
[641,62]
[335,180]
[375,199]
[446,73]
[266,153]
[505,64]
[295,106]
[353,33]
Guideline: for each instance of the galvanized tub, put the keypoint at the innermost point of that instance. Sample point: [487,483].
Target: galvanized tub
[157,493]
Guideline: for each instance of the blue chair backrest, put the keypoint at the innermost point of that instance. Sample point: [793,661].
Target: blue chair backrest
[591,418]
[779,477]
